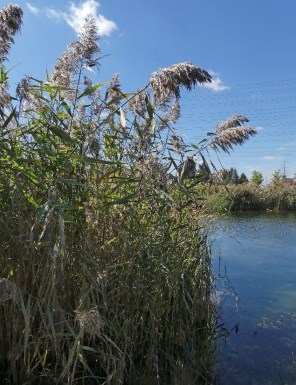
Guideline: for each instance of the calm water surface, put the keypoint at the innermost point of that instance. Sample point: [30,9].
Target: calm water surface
[254,257]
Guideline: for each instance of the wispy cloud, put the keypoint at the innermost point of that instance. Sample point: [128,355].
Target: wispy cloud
[76,14]
[259,128]
[32,8]
[271,157]
[288,146]
[54,14]
[217,84]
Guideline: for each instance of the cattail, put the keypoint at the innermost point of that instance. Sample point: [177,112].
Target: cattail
[166,82]
[90,321]
[231,133]
[10,23]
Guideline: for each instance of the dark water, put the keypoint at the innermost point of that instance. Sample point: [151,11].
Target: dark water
[254,257]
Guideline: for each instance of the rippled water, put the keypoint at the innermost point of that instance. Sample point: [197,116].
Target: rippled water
[254,257]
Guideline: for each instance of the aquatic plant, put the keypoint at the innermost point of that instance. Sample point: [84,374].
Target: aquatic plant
[105,272]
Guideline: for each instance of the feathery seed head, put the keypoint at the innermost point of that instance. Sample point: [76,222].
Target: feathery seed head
[23,88]
[166,82]
[10,23]
[233,121]
[177,144]
[90,321]
[11,17]
[150,168]
[88,39]
[80,54]
[138,103]
[4,95]
[113,92]
[232,136]
[172,115]
[67,65]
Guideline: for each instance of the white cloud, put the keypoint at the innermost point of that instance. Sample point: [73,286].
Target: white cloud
[217,84]
[54,14]
[32,8]
[270,157]
[75,18]
[259,128]
[76,14]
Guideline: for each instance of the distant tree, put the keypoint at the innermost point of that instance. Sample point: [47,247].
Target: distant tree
[257,177]
[277,177]
[230,176]
[234,176]
[203,173]
[243,178]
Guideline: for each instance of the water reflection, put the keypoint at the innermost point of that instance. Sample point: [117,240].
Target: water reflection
[255,258]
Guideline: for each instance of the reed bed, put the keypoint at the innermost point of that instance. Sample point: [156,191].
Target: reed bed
[105,271]
[247,196]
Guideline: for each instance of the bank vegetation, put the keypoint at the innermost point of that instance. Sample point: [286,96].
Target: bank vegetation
[105,271]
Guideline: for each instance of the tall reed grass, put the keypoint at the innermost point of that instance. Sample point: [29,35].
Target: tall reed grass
[246,197]
[105,272]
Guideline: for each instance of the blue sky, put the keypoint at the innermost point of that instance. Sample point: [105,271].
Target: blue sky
[248,45]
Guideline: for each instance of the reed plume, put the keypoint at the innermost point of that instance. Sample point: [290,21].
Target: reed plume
[10,23]
[166,82]
[113,92]
[4,96]
[79,54]
[90,321]
[231,132]
[172,115]
[137,104]
[233,121]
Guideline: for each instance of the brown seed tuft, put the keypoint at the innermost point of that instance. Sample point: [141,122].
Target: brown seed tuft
[138,103]
[10,23]
[233,121]
[231,133]
[166,82]
[90,321]
[79,55]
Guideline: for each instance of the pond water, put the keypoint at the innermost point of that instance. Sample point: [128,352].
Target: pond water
[254,258]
